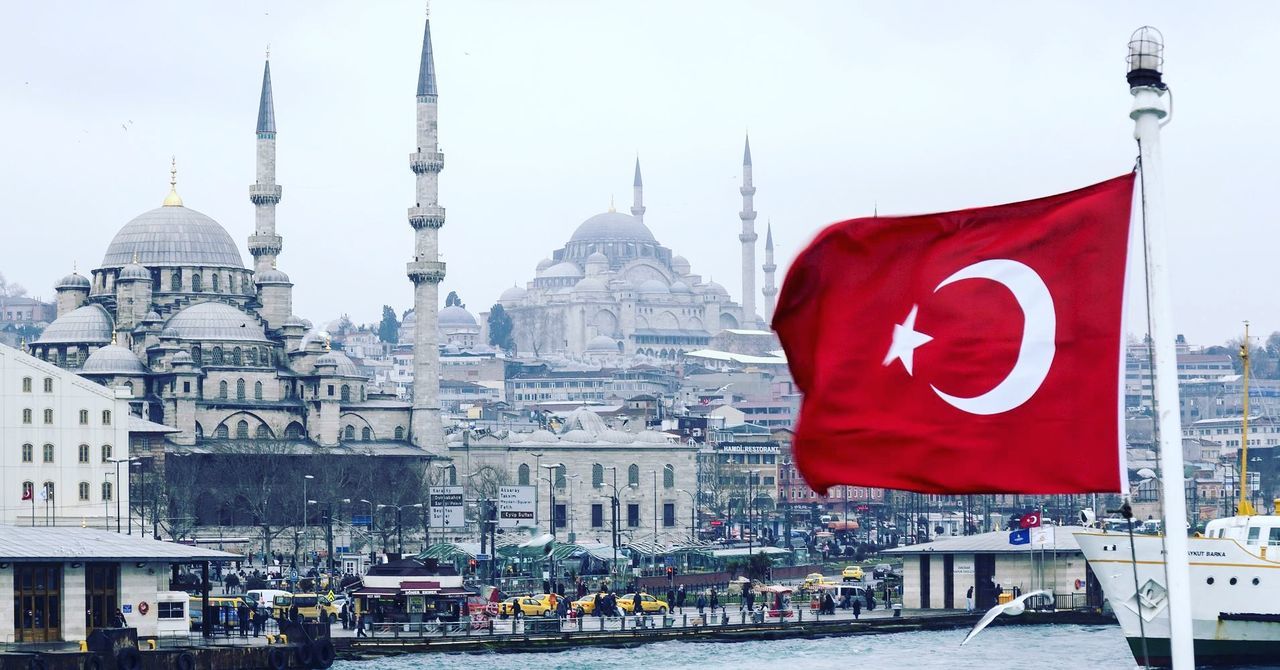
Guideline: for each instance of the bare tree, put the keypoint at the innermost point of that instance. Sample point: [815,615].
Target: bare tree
[539,328]
[10,290]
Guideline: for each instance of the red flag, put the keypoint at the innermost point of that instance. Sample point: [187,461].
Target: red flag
[975,351]
[1029,520]
[26,493]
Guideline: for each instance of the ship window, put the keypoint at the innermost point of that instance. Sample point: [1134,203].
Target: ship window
[1273,537]
[1253,535]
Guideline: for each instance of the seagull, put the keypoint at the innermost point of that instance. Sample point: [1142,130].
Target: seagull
[1013,608]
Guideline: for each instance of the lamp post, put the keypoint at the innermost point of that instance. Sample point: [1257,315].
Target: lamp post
[693,512]
[399,527]
[613,519]
[305,479]
[751,503]
[574,481]
[552,469]
[440,468]
[373,533]
[116,492]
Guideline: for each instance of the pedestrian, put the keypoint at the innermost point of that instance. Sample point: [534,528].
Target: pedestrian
[360,625]
[871,601]
[857,607]
[256,618]
[968,600]
[596,605]
[671,599]
[242,617]
[562,608]
[702,604]
[118,619]
[680,598]
[293,614]
[715,600]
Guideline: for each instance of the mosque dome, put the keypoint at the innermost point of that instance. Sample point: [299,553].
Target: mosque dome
[87,325]
[680,287]
[602,344]
[714,288]
[612,227]
[590,285]
[170,333]
[294,321]
[543,436]
[455,317]
[134,271]
[544,264]
[216,321]
[562,270]
[654,287]
[73,280]
[152,316]
[113,359]
[271,276]
[343,365]
[182,358]
[513,294]
[597,257]
[680,264]
[172,236]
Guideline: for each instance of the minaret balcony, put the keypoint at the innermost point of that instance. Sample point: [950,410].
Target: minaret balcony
[769,267]
[264,194]
[748,237]
[422,161]
[265,244]
[429,272]
[747,190]
[431,216]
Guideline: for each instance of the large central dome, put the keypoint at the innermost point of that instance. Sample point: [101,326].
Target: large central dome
[612,227]
[173,236]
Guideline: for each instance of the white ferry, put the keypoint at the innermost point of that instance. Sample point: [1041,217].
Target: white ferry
[1235,589]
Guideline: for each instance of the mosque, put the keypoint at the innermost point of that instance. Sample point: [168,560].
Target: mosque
[614,291]
[212,348]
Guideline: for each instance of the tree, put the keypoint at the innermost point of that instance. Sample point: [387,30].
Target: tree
[8,290]
[452,300]
[500,330]
[389,329]
[540,328]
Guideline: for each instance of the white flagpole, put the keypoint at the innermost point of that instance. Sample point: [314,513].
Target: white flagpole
[1146,55]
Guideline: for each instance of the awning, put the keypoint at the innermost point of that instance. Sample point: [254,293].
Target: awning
[376,591]
[418,588]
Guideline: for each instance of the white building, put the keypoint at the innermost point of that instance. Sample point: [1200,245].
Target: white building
[62,434]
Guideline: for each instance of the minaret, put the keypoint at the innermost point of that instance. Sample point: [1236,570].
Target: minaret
[748,239]
[265,244]
[770,290]
[637,194]
[426,271]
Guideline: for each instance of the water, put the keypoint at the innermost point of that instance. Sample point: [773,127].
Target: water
[1061,647]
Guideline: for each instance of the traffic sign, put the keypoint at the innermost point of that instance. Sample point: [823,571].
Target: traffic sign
[517,507]
[482,557]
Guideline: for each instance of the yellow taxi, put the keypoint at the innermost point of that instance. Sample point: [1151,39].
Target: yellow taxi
[813,580]
[586,605]
[539,605]
[852,573]
[648,604]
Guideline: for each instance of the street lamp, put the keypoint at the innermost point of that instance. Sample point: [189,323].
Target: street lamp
[305,479]
[574,479]
[399,532]
[613,517]
[116,492]
[693,512]
[751,503]
[373,533]
[441,468]
[551,469]
[491,530]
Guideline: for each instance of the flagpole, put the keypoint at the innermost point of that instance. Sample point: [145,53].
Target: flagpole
[1146,58]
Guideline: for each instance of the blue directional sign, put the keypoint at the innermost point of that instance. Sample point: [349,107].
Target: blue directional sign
[482,557]
[361,520]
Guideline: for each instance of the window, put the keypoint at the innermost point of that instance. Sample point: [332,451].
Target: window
[175,281]
[106,491]
[84,491]
[633,475]
[668,476]
[561,516]
[222,389]
[106,417]
[597,476]
[48,417]
[217,356]
[106,453]
[668,515]
[399,432]
[197,354]
[236,357]
[175,610]
[26,384]
[597,515]
[242,430]
[84,417]
[560,476]
[257,390]
[239,389]
[26,416]
[48,453]
[262,433]
[346,393]
[366,434]
[522,474]
[633,515]
[83,453]
[349,432]
[48,385]
[197,283]
[28,453]
[221,433]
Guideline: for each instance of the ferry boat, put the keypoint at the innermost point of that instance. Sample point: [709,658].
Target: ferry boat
[1235,589]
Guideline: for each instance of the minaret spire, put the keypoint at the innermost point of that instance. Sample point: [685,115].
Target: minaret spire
[637,194]
[265,193]
[748,238]
[770,289]
[426,271]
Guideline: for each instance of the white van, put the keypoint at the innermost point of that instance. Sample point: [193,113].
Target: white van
[264,599]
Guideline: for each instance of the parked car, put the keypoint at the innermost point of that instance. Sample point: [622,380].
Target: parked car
[852,573]
[529,606]
[648,604]
[881,570]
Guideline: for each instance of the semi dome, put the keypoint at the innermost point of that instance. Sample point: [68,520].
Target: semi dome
[113,359]
[612,227]
[341,364]
[680,287]
[602,344]
[590,285]
[456,316]
[182,358]
[134,271]
[513,294]
[87,325]
[73,280]
[544,264]
[271,276]
[563,269]
[680,264]
[654,287]
[172,236]
[216,321]
[597,257]
[714,288]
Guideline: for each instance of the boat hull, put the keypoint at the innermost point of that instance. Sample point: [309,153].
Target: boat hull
[1211,652]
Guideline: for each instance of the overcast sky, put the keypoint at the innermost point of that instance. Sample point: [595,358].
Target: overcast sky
[908,106]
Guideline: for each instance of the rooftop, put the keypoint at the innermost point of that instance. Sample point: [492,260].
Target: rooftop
[991,543]
[42,543]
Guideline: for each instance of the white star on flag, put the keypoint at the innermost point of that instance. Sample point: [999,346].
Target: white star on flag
[905,341]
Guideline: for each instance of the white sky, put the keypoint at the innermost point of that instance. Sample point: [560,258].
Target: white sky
[914,106]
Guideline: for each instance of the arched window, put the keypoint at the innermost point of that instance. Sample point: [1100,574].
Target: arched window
[217,355]
[597,476]
[262,433]
[215,282]
[195,283]
[239,389]
[453,475]
[522,475]
[84,491]
[26,415]
[366,434]
[242,430]
[106,417]
[293,431]
[222,389]
[48,453]
[349,432]
[560,476]
[84,417]
[28,453]
[199,431]
[257,390]
[245,287]
[106,491]
[106,453]
[175,281]
[196,353]
[48,417]
[221,432]
[346,393]
[399,432]
[668,476]
[48,385]
[633,475]
[236,357]
[83,453]
[129,385]
[26,384]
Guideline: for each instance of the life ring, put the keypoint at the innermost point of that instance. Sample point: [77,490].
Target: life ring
[128,658]
[305,655]
[185,661]
[324,653]
[277,658]
[143,608]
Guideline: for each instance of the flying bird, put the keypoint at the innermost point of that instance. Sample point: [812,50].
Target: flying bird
[1012,608]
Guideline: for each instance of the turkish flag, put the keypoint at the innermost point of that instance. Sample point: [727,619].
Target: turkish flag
[26,493]
[975,351]
[1029,520]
